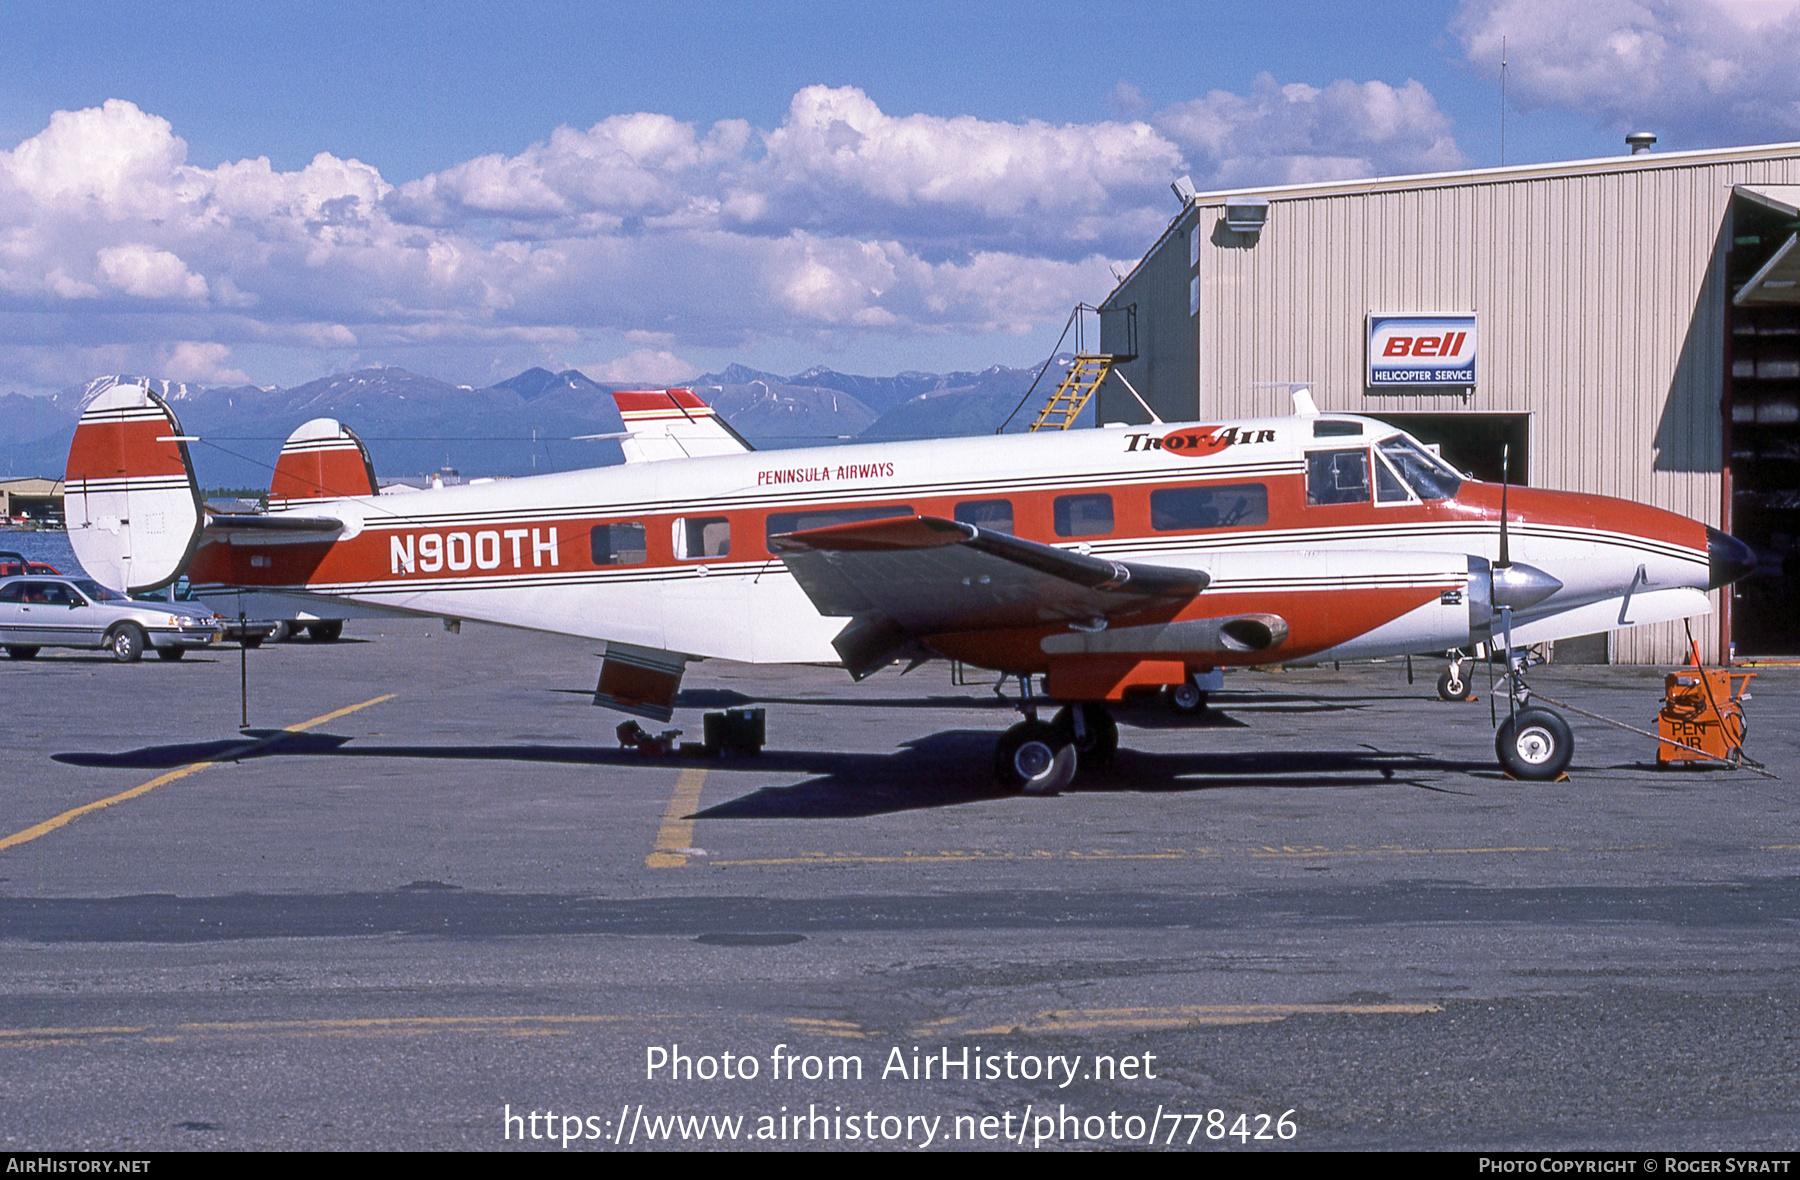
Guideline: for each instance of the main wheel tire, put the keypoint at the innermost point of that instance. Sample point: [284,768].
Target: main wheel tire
[22,653]
[1186,699]
[170,653]
[1034,757]
[251,641]
[1101,741]
[128,643]
[325,631]
[1452,687]
[1535,744]
[284,630]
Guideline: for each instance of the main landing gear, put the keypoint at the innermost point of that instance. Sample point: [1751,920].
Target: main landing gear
[1453,685]
[1041,757]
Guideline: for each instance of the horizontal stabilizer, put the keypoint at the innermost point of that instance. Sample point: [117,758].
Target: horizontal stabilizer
[322,460]
[130,497]
[254,528]
[673,424]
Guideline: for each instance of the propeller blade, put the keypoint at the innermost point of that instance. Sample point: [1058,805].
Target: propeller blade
[1505,479]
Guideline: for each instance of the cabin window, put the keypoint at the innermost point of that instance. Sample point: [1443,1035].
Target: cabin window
[1083,516]
[619,544]
[993,515]
[1337,477]
[13,593]
[824,518]
[1209,507]
[702,536]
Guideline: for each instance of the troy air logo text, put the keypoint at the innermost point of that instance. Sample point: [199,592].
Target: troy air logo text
[1199,441]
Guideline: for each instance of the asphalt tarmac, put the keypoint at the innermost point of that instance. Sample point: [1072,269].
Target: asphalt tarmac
[426,890]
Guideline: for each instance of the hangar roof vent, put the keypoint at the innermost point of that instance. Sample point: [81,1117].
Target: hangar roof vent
[1640,141]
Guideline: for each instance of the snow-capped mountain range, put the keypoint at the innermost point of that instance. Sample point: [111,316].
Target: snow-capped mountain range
[530,422]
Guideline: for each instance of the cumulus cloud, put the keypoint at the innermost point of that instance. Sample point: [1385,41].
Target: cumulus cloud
[643,366]
[200,362]
[149,273]
[1700,72]
[641,232]
[1297,133]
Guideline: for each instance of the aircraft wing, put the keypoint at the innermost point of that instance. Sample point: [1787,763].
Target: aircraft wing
[912,576]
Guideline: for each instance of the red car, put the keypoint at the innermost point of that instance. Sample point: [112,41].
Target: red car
[14,565]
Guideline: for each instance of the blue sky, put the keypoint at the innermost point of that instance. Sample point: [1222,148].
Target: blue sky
[272,192]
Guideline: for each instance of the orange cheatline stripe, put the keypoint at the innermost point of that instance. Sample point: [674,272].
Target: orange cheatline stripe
[74,813]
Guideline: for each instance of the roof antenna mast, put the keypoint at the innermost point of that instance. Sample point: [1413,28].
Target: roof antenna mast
[1502,102]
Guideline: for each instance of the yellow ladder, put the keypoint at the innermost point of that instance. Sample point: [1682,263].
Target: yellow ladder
[1078,385]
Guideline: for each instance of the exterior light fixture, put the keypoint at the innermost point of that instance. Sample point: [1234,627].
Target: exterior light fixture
[1246,215]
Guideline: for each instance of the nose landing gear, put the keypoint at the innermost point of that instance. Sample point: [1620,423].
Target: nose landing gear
[1532,743]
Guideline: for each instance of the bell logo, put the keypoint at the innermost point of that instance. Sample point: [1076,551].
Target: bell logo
[1447,345]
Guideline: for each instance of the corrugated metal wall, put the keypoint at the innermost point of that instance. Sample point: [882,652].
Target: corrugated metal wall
[1601,302]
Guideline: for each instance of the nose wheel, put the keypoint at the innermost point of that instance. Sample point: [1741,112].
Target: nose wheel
[1535,744]
[1532,743]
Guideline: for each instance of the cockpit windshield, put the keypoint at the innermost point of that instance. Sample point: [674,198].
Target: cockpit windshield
[1429,476]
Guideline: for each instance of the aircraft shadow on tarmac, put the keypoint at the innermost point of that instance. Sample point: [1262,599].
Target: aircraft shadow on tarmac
[938,770]
[1146,714]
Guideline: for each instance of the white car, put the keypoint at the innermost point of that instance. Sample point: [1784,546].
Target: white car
[38,612]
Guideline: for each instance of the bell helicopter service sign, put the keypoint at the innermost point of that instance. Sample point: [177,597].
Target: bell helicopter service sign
[1421,350]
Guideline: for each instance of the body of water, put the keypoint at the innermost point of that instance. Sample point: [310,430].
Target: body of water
[52,547]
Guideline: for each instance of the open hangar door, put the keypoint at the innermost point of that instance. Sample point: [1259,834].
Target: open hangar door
[1762,416]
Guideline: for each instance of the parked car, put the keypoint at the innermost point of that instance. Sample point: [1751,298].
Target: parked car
[13,564]
[38,612]
[248,633]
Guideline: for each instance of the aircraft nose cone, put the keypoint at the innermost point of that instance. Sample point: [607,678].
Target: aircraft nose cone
[1520,586]
[1728,558]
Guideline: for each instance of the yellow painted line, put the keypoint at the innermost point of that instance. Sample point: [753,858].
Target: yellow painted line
[677,831]
[501,1025]
[163,780]
[563,1024]
[1095,1019]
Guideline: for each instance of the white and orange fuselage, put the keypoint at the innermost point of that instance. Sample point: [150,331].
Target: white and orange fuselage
[1349,579]
[675,556]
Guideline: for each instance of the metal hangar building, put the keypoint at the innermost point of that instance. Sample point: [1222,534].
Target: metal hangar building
[1630,326]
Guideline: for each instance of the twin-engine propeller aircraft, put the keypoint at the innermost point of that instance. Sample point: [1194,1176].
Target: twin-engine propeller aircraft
[1100,561]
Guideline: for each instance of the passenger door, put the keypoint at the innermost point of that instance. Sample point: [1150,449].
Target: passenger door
[65,616]
[12,614]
